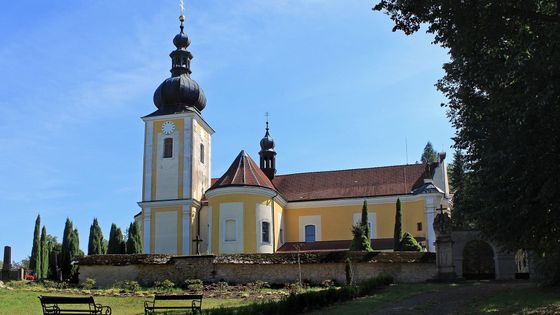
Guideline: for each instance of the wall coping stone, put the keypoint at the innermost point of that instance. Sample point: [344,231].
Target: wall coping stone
[264,259]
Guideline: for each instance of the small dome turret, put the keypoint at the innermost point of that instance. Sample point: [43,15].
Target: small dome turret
[267,154]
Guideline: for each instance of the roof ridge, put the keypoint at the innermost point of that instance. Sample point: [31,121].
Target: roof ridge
[355,169]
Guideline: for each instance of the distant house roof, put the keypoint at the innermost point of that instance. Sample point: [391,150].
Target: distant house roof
[243,172]
[340,245]
[353,183]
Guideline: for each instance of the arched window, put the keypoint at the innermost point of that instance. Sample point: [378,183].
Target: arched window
[231,233]
[265,232]
[310,233]
[168,148]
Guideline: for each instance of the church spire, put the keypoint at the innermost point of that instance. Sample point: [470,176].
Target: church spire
[180,92]
[267,153]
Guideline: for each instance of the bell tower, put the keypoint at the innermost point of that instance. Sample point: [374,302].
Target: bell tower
[177,152]
[267,154]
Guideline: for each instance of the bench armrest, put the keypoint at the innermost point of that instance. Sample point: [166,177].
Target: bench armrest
[103,310]
[196,304]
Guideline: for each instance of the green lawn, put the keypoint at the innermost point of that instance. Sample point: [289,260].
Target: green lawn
[16,301]
[520,301]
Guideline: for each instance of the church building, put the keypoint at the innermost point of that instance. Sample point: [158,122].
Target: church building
[252,209]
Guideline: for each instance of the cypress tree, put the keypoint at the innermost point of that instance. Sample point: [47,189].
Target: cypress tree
[44,255]
[409,243]
[365,221]
[34,260]
[116,241]
[398,227]
[360,231]
[67,244]
[95,242]
[133,243]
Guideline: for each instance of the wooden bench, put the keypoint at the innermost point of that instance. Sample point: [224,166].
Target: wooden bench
[71,305]
[158,304]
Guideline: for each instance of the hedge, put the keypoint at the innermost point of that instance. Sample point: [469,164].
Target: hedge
[303,302]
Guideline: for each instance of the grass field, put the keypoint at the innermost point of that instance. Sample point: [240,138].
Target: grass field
[24,302]
[520,301]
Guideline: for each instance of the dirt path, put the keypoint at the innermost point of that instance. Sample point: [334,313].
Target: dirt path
[449,301]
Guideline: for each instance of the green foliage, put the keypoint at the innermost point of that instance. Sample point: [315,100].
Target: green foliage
[134,242]
[222,286]
[329,283]
[294,287]
[502,91]
[116,241]
[70,250]
[459,181]
[304,302]
[257,286]
[55,284]
[429,155]
[165,285]
[398,234]
[194,284]
[95,241]
[44,270]
[409,243]
[360,231]
[127,285]
[88,284]
[35,260]
[349,272]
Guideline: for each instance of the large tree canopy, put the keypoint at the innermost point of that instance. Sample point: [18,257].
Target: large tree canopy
[503,89]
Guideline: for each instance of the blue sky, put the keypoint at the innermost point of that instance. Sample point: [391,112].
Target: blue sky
[343,92]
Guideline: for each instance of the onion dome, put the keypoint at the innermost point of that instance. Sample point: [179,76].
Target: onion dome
[180,92]
[267,143]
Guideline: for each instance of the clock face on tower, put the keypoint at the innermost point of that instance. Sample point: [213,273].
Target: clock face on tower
[168,127]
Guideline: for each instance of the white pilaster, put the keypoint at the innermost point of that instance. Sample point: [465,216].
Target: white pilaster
[147,225]
[187,157]
[209,230]
[430,215]
[148,145]
[186,230]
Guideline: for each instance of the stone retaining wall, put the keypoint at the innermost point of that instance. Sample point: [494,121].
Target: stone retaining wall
[272,268]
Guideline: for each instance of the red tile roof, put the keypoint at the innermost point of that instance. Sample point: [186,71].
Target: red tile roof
[243,172]
[353,183]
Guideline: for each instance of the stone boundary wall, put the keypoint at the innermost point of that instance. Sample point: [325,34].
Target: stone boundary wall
[405,267]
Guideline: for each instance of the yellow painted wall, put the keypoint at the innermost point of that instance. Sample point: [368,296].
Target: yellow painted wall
[249,219]
[278,213]
[336,222]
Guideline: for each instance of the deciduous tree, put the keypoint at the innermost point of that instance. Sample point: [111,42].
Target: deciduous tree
[503,89]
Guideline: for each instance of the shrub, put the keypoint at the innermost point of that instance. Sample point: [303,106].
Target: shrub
[294,288]
[88,284]
[55,284]
[409,243]
[329,283]
[165,285]
[222,286]
[127,285]
[194,284]
[257,286]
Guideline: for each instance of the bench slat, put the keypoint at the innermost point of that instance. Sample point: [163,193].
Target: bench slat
[178,297]
[66,300]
